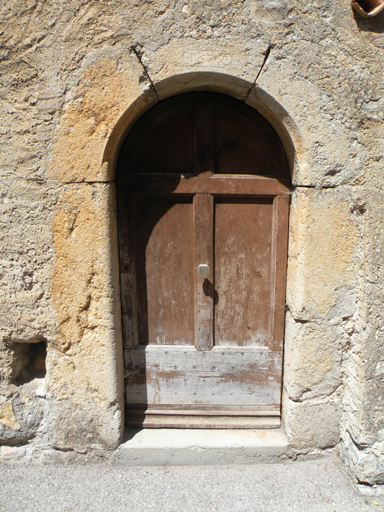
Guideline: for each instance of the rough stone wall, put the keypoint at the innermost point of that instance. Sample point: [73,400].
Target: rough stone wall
[74,76]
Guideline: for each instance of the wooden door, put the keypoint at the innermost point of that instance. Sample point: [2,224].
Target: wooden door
[203,180]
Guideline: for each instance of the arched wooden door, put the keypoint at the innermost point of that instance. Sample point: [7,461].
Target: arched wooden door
[203,196]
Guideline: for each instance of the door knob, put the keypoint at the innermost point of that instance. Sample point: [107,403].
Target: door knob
[203,271]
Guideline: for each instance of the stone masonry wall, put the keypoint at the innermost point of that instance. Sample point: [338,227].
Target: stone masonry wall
[75,76]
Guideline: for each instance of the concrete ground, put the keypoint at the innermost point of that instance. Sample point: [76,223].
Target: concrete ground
[300,486]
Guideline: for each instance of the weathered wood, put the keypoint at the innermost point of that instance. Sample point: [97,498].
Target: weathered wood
[242,146]
[243,308]
[280,230]
[210,190]
[215,185]
[178,419]
[222,135]
[228,376]
[127,272]
[223,410]
[204,138]
[204,288]
[164,270]
[165,140]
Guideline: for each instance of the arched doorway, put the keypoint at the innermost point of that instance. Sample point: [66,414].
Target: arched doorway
[203,198]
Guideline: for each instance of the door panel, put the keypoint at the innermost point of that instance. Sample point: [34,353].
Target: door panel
[163,246]
[183,378]
[243,272]
[168,141]
[236,151]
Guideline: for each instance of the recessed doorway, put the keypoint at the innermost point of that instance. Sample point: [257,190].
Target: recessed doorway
[203,201]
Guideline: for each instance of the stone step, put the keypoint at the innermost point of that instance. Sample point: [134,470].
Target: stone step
[177,447]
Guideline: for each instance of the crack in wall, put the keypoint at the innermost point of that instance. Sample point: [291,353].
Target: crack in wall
[139,54]
[319,187]
[266,55]
[75,184]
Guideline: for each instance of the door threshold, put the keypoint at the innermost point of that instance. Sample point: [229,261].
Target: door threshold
[193,447]
[209,418]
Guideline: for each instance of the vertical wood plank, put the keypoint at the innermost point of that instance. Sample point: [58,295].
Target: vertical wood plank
[204,138]
[280,230]
[203,210]
[127,271]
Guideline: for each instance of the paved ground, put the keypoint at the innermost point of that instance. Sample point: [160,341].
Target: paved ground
[300,486]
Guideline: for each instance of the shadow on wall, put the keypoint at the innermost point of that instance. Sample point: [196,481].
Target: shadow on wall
[27,361]
[22,408]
